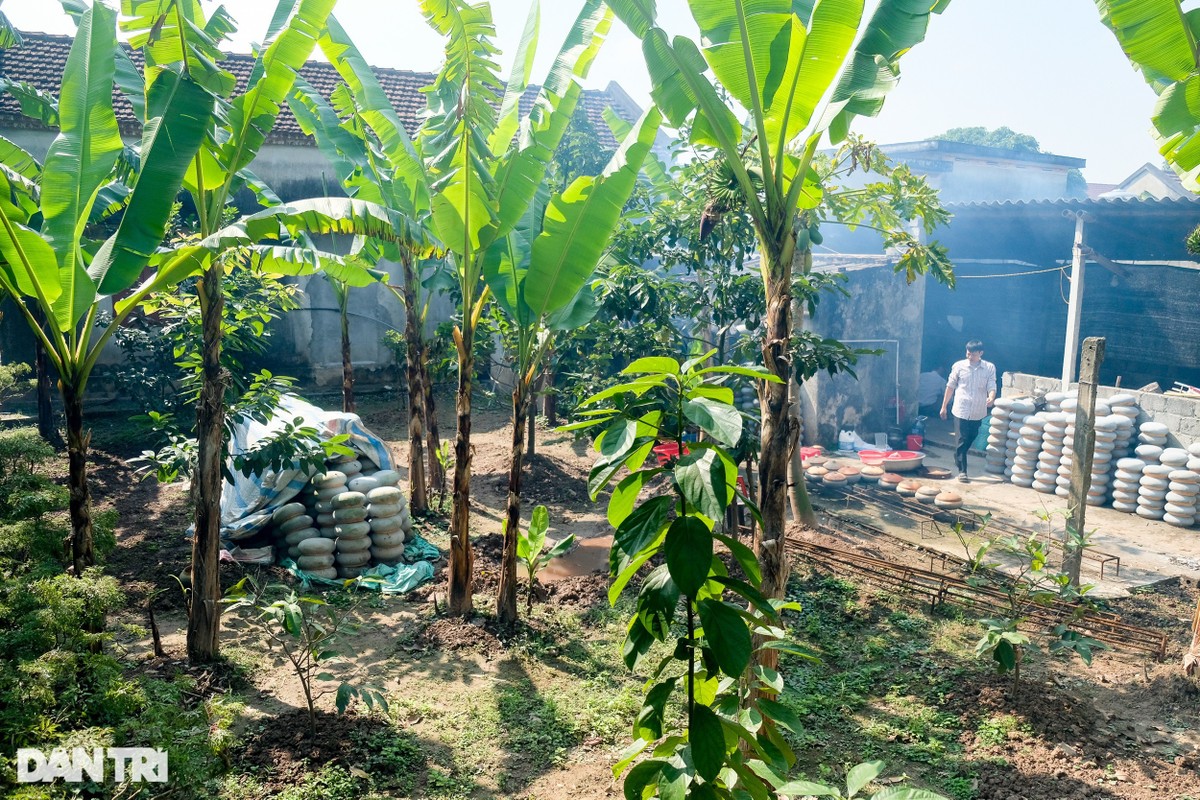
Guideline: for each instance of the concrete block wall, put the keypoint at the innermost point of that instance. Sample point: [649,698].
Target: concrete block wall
[1181,415]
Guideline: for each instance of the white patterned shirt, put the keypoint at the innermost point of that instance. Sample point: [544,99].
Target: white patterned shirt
[971,385]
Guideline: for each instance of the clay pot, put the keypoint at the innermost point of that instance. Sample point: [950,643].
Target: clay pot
[890,480]
[948,499]
[926,494]
[908,488]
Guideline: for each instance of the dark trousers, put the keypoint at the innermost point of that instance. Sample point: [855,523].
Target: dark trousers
[967,429]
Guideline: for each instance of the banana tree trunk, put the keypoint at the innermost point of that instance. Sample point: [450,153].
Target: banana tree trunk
[531,420]
[506,597]
[204,619]
[462,557]
[47,427]
[436,475]
[416,393]
[549,398]
[83,555]
[347,363]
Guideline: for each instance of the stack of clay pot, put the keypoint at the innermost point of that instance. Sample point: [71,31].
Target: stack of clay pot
[332,532]
[1155,480]
[1127,484]
[390,523]
[1029,446]
[1054,401]
[834,479]
[1194,457]
[1179,503]
[997,442]
[1105,432]
[1124,410]
[1054,431]
[301,539]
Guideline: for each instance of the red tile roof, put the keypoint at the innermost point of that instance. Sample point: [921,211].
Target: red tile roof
[41,59]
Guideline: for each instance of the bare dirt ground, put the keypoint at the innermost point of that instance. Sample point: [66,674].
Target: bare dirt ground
[1123,728]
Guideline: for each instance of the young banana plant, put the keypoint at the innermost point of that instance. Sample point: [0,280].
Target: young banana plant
[540,274]
[485,164]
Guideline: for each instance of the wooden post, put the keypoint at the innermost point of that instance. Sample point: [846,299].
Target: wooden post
[1081,458]
[1075,303]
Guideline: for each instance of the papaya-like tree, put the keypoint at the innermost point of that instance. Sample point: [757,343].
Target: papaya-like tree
[539,275]
[47,253]
[797,73]
[485,165]
[1160,39]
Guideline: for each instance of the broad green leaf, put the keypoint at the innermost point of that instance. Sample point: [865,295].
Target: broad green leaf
[749,592]
[81,157]
[688,549]
[377,112]
[649,724]
[749,372]
[743,555]
[638,15]
[169,141]
[727,635]
[707,737]
[810,62]
[652,365]
[1155,36]
[642,776]
[638,642]
[722,394]
[707,480]
[642,527]
[657,602]
[523,169]
[624,568]
[672,783]
[895,28]
[720,420]
[906,793]
[617,439]
[510,111]
[860,775]
[653,168]
[626,493]
[781,714]
[636,387]
[627,756]
[738,38]
[807,789]
[579,224]
[28,262]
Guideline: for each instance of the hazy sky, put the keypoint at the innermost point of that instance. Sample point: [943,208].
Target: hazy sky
[1042,67]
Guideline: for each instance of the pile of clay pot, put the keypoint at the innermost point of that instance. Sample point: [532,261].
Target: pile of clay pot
[821,472]
[348,519]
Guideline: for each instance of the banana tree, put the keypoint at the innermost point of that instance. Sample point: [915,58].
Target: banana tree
[374,159]
[47,252]
[1160,39]
[484,165]
[797,72]
[539,275]
[175,36]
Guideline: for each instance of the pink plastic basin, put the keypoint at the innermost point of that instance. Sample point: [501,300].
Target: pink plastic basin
[892,460]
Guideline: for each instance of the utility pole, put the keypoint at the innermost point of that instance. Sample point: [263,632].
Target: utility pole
[1081,458]
[1075,303]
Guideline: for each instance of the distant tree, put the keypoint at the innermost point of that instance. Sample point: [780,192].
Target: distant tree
[1003,137]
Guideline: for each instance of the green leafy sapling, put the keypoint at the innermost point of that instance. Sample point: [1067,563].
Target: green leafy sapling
[531,543]
[857,779]
[311,634]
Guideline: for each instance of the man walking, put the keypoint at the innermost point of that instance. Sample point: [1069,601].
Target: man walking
[972,385]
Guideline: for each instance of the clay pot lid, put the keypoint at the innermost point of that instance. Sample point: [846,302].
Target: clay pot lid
[849,470]
[870,470]
[928,491]
[947,496]
[911,484]
[817,460]
[833,477]
[937,472]
[816,472]
[891,477]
